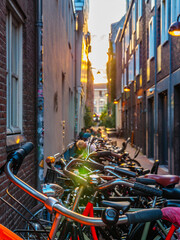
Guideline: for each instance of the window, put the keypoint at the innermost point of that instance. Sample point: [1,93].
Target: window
[164,20]
[127,37]
[175,10]
[100,93]
[152,4]
[125,77]
[14,74]
[134,18]
[122,82]
[140,8]
[101,102]
[137,60]
[101,109]
[151,38]
[159,26]
[122,48]
[131,69]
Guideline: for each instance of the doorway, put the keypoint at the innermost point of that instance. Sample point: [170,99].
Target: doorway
[163,128]
[176,144]
[151,127]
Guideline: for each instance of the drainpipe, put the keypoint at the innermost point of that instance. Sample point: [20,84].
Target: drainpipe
[170,102]
[155,91]
[40,98]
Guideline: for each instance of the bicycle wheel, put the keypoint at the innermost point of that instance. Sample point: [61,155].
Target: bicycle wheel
[154,232]
[38,224]
[133,163]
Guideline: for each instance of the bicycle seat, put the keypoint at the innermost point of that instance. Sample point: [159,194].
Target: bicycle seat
[124,206]
[164,180]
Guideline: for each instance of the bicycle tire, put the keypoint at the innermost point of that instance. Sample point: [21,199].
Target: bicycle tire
[42,225]
[134,162]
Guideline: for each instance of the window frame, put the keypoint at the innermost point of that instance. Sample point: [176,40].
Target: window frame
[164,21]
[12,18]
[137,52]
[151,37]
[140,9]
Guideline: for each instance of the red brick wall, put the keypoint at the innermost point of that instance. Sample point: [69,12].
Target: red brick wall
[28,168]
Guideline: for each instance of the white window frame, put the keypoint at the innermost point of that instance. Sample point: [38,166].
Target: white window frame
[152,4]
[125,77]
[134,18]
[131,70]
[122,82]
[164,20]
[175,10]
[151,38]
[140,8]
[137,60]
[14,120]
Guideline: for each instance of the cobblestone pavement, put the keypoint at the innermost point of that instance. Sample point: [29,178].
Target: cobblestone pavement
[144,161]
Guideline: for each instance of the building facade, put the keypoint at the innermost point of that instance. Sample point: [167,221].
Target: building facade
[83,47]
[59,59]
[17,96]
[90,88]
[100,97]
[149,69]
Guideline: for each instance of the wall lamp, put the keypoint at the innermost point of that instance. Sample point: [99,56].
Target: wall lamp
[151,90]
[174,29]
[139,97]
[127,89]
[115,101]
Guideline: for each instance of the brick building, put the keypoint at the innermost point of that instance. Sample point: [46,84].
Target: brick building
[17,95]
[149,66]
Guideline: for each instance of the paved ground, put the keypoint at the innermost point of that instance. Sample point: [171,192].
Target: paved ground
[145,162]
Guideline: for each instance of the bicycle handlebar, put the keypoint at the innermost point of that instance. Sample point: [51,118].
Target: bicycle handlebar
[121,171]
[17,157]
[136,186]
[145,215]
[104,154]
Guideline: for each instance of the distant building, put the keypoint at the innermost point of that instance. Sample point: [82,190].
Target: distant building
[100,97]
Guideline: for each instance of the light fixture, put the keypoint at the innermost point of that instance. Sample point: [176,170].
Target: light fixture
[151,90]
[98,72]
[139,97]
[115,101]
[127,89]
[107,94]
[174,29]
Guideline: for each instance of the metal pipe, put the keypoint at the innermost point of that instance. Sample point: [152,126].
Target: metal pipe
[155,88]
[170,104]
[39,89]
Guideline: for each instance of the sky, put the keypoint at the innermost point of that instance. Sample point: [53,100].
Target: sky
[102,13]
